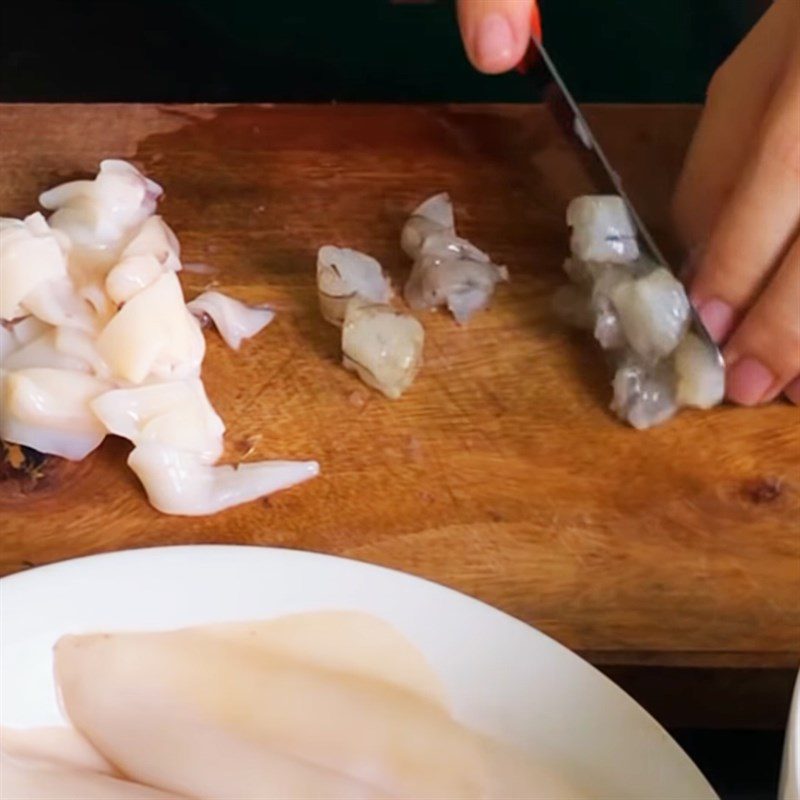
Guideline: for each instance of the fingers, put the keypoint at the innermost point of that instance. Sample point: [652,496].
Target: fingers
[761,217]
[738,98]
[496,33]
[763,355]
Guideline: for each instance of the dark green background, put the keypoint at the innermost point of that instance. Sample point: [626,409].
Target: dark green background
[229,50]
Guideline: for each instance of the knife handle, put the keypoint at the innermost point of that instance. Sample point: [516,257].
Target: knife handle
[532,53]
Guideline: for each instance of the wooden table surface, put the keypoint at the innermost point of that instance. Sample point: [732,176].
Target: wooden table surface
[501,473]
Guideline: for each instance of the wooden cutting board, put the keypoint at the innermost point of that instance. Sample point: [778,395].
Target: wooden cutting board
[501,473]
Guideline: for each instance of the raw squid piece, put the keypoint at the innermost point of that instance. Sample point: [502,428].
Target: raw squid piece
[343,274]
[28,779]
[256,723]
[100,212]
[134,273]
[383,346]
[30,255]
[153,334]
[44,352]
[178,482]
[234,320]
[447,271]
[155,238]
[59,764]
[177,414]
[48,410]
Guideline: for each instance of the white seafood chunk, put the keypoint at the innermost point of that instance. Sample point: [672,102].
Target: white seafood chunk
[37,779]
[57,303]
[644,395]
[608,330]
[155,238]
[44,352]
[131,275]
[382,345]
[81,346]
[602,229]
[177,414]
[352,642]
[16,334]
[54,745]
[178,482]
[153,333]
[343,274]
[27,329]
[448,270]
[243,721]
[463,285]
[700,375]
[30,255]
[654,313]
[434,215]
[233,319]
[99,213]
[48,410]
[8,343]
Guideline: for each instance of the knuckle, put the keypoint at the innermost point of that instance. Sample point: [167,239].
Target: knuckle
[718,85]
[777,342]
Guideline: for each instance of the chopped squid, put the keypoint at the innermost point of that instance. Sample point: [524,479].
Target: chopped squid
[43,351]
[58,302]
[382,345]
[178,482]
[100,212]
[97,338]
[134,273]
[31,255]
[343,274]
[233,319]
[640,314]
[177,414]
[48,409]
[448,271]
[153,334]
[155,238]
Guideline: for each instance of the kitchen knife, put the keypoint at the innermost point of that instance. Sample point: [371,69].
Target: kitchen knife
[558,98]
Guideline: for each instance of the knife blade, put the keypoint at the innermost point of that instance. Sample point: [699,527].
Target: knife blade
[562,104]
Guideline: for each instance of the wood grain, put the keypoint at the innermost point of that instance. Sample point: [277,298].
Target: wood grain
[501,473]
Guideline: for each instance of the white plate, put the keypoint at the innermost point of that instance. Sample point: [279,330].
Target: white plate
[502,676]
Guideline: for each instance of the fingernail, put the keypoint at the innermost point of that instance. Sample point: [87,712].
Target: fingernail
[792,391]
[494,43]
[717,316]
[749,381]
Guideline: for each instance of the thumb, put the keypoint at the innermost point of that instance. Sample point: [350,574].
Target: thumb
[496,33]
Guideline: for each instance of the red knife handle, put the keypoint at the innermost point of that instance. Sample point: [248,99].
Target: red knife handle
[531,54]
